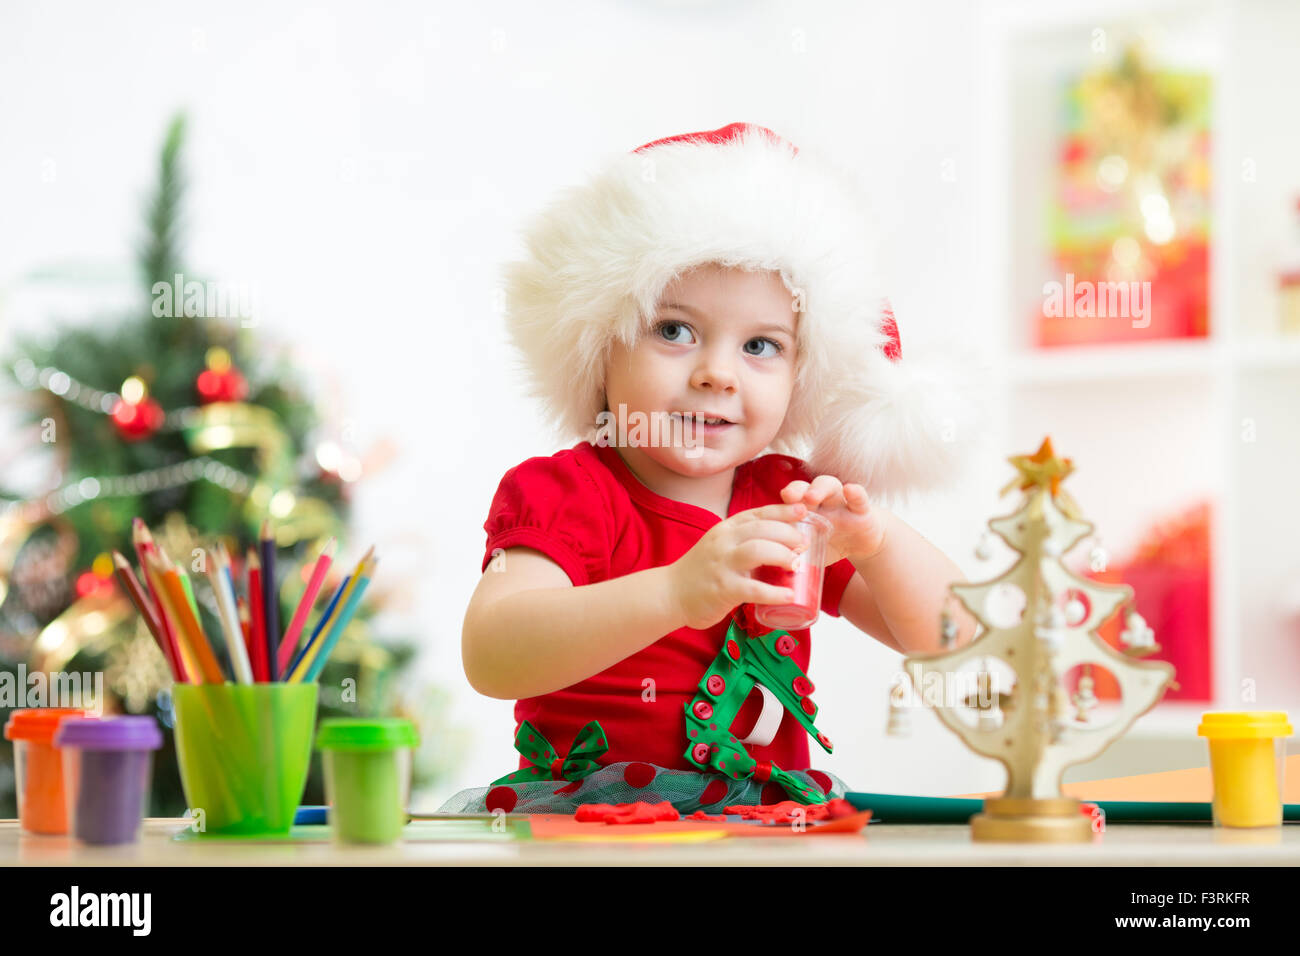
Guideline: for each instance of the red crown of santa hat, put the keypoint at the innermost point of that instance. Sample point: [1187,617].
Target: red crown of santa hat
[600,256]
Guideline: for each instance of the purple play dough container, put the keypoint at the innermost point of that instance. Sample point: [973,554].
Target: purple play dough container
[106,769]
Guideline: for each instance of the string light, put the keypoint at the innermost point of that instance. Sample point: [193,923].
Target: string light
[142,482]
[60,383]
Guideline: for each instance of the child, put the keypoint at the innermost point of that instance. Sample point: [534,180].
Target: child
[707,297]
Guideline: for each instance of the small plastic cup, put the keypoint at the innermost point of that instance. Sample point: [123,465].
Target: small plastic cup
[38,768]
[367,776]
[805,579]
[1246,764]
[107,765]
[244,751]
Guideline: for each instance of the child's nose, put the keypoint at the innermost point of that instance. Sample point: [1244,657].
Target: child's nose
[714,372]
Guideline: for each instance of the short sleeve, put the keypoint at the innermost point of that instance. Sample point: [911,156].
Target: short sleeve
[552,505]
[835,581]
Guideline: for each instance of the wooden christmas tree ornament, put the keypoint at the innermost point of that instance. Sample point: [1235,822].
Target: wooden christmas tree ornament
[1045,726]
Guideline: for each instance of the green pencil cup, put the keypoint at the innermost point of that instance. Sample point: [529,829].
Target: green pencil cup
[367,776]
[244,751]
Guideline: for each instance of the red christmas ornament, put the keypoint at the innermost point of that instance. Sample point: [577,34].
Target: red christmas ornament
[137,420]
[89,582]
[220,381]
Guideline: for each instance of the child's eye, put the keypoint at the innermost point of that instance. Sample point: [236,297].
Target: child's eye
[759,352]
[672,332]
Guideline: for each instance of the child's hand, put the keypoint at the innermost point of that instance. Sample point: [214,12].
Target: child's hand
[859,526]
[714,576]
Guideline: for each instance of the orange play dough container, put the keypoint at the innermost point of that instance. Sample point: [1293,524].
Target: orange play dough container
[1247,751]
[38,768]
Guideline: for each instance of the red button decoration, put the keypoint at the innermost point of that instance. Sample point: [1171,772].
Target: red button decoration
[638,775]
[785,645]
[703,709]
[825,741]
[803,686]
[733,650]
[808,706]
[716,685]
[701,753]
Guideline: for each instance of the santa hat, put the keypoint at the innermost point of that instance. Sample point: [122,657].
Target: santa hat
[600,256]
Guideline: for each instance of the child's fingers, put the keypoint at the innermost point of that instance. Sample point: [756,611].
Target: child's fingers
[756,592]
[779,531]
[787,512]
[823,487]
[794,491]
[855,496]
[758,552]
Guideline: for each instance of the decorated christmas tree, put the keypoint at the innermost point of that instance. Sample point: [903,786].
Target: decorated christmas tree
[173,413]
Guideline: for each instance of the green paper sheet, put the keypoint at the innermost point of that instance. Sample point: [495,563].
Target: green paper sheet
[899,808]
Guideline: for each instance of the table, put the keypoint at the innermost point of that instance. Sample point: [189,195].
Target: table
[879,845]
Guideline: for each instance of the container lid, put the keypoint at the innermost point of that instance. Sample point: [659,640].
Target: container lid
[363,733]
[1229,725]
[111,733]
[38,723]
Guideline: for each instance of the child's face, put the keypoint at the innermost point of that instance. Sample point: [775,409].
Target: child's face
[723,344]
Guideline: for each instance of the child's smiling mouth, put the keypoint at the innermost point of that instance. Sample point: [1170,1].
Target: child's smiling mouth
[700,420]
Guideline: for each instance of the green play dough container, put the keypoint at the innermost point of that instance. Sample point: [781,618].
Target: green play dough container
[244,751]
[367,776]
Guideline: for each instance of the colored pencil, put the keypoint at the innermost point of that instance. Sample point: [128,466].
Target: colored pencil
[228,584]
[256,618]
[152,570]
[270,599]
[190,631]
[246,631]
[188,587]
[144,545]
[224,593]
[311,667]
[290,641]
[339,625]
[325,618]
[144,605]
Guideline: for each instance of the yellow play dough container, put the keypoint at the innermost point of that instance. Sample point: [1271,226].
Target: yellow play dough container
[1246,763]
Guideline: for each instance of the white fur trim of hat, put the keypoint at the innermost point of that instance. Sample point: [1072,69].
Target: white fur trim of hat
[599,257]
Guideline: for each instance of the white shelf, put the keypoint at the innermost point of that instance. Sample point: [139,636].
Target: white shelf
[1153,426]
[1067,365]
[1154,361]
[1280,354]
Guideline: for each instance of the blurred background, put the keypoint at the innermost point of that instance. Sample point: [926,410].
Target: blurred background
[350,180]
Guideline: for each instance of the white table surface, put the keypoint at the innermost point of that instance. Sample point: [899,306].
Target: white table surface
[435,843]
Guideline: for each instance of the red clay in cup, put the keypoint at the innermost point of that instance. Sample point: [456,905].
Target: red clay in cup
[805,579]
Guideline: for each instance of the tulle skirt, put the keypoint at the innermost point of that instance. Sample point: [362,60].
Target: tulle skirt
[630,782]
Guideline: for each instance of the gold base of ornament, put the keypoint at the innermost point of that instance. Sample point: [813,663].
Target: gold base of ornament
[1013,820]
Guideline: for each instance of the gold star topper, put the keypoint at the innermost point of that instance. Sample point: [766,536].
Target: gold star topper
[1042,469]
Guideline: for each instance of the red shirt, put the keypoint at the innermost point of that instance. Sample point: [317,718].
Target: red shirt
[588,513]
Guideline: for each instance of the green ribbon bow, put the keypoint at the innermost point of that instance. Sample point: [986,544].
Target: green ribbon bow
[590,744]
